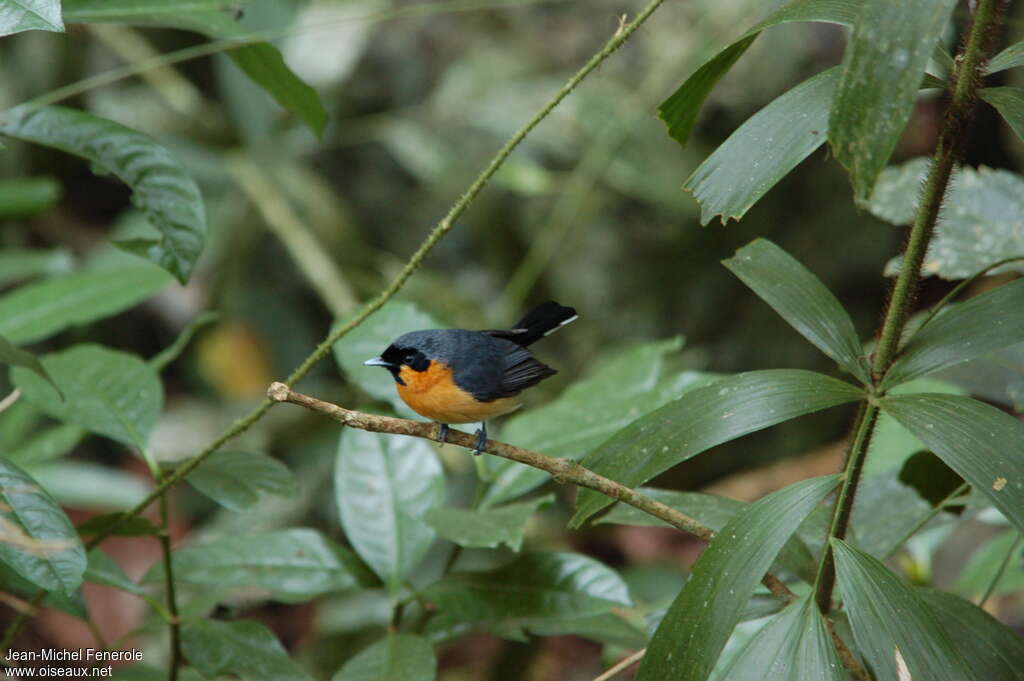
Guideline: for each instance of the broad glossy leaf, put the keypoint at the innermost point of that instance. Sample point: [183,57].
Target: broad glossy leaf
[36,538]
[985,564]
[962,332]
[161,188]
[697,626]
[14,356]
[1009,101]
[486,528]
[533,585]
[679,112]
[794,646]
[103,569]
[396,657]
[882,67]
[886,613]
[703,418]
[1007,59]
[29,15]
[47,444]
[981,443]
[763,150]
[20,196]
[238,480]
[370,339]
[244,648]
[39,310]
[384,484]
[294,565]
[802,300]
[106,391]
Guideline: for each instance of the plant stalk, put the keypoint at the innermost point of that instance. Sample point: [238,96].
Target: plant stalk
[174,624]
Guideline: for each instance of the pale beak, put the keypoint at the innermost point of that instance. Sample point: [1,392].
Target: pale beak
[377,362]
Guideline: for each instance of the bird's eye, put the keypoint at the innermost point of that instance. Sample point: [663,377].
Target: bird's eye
[409,357]
[415,360]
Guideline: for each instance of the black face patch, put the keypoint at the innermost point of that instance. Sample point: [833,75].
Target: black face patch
[410,357]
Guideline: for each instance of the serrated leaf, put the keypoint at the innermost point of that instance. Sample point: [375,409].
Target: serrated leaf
[802,300]
[1007,59]
[238,480]
[886,614]
[704,418]
[396,657]
[679,111]
[39,310]
[981,443]
[763,150]
[882,67]
[697,626]
[103,569]
[962,332]
[29,15]
[12,355]
[106,391]
[244,648]
[1009,102]
[294,565]
[370,339]
[384,485]
[36,538]
[161,188]
[486,528]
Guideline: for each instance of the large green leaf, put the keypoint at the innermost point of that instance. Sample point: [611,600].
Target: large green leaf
[36,539]
[1009,101]
[370,339]
[294,565]
[161,188]
[245,648]
[14,356]
[679,112]
[29,15]
[396,657]
[979,201]
[703,418]
[981,443]
[992,650]
[533,585]
[35,311]
[697,626]
[384,485]
[794,646]
[882,67]
[238,480]
[106,391]
[487,528]
[962,332]
[802,300]
[1007,59]
[763,150]
[886,614]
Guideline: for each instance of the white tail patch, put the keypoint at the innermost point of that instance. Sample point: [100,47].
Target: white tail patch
[567,321]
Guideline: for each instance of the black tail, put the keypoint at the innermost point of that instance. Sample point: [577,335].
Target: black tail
[542,320]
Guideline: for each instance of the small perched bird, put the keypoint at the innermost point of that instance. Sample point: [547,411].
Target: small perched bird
[460,376]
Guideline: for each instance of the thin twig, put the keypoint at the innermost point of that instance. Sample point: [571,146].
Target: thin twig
[173,624]
[10,400]
[622,666]
[998,576]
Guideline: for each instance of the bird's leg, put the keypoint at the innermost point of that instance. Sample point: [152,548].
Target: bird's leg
[442,433]
[481,439]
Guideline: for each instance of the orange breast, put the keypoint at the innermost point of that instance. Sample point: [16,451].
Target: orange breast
[434,394]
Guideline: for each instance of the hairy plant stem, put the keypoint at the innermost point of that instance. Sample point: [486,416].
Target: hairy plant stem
[174,624]
[952,136]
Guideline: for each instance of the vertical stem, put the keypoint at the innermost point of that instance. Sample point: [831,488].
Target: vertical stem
[172,601]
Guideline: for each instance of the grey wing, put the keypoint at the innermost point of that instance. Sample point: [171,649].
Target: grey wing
[522,370]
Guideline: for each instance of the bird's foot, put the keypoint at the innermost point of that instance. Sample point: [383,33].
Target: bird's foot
[481,440]
[442,433]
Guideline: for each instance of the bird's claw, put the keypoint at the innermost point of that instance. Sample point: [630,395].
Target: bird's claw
[481,441]
[442,433]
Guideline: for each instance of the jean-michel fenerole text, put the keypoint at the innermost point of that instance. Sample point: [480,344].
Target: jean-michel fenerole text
[80,655]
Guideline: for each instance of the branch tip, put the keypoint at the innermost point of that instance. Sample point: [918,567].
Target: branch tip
[278,392]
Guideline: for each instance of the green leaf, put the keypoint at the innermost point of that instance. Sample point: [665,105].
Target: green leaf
[36,538]
[962,332]
[131,526]
[294,565]
[14,356]
[880,534]
[981,443]
[985,564]
[140,11]
[370,339]
[161,188]
[13,583]
[86,485]
[103,569]
[533,585]
[47,444]
[992,650]
[20,264]
[794,646]
[1007,59]
[244,648]
[263,63]
[36,311]
[396,657]
[607,628]
[763,150]
[28,15]
[108,392]
[697,626]
[1009,102]
[886,614]
[882,67]
[488,528]
[21,196]
[704,418]
[802,300]
[679,112]
[238,480]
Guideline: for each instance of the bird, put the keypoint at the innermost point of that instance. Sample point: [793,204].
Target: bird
[456,376]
